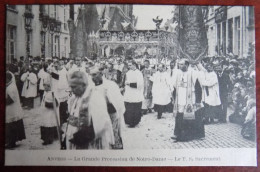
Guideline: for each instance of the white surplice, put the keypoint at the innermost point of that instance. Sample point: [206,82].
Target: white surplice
[30,85]
[133,95]
[210,80]
[161,89]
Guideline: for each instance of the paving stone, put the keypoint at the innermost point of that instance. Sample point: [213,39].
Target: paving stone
[151,133]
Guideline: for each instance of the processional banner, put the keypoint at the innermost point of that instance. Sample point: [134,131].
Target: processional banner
[192,33]
[80,36]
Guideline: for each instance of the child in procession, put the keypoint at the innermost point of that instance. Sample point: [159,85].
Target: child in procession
[47,110]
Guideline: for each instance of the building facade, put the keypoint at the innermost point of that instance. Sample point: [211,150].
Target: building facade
[89,19]
[230,30]
[38,40]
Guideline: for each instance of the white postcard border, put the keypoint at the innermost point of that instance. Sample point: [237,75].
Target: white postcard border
[187,157]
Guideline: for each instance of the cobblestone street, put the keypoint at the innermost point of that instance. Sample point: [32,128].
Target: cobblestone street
[150,133]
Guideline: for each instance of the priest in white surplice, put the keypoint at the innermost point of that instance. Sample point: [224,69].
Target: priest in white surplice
[60,85]
[161,90]
[115,103]
[29,91]
[133,96]
[210,93]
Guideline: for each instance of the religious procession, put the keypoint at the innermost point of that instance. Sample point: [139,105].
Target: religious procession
[118,75]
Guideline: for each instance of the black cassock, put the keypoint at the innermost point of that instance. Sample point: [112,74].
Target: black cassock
[187,129]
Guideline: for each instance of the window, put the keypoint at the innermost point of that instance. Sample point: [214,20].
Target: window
[57,46]
[218,39]
[71,11]
[29,41]
[42,9]
[50,45]
[48,8]
[12,8]
[55,12]
[237,34]
[230,36]
[65,19]
[43,37]
[11,43]
[251,21]
[65,47]
[224,47]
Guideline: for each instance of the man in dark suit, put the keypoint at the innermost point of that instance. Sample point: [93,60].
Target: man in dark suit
[224,87]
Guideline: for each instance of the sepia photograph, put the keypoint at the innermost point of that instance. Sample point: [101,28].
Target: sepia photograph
[130,85]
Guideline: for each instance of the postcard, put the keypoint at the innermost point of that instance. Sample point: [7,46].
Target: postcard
[130,85]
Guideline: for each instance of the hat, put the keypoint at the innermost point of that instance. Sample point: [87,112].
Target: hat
[233,61]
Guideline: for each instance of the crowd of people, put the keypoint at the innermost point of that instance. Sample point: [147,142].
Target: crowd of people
[86,103]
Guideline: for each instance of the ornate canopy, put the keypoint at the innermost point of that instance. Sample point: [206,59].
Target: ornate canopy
[165,42]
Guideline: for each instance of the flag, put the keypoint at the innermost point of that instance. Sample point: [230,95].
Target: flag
[80,36]
[192,33]
[91,18]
